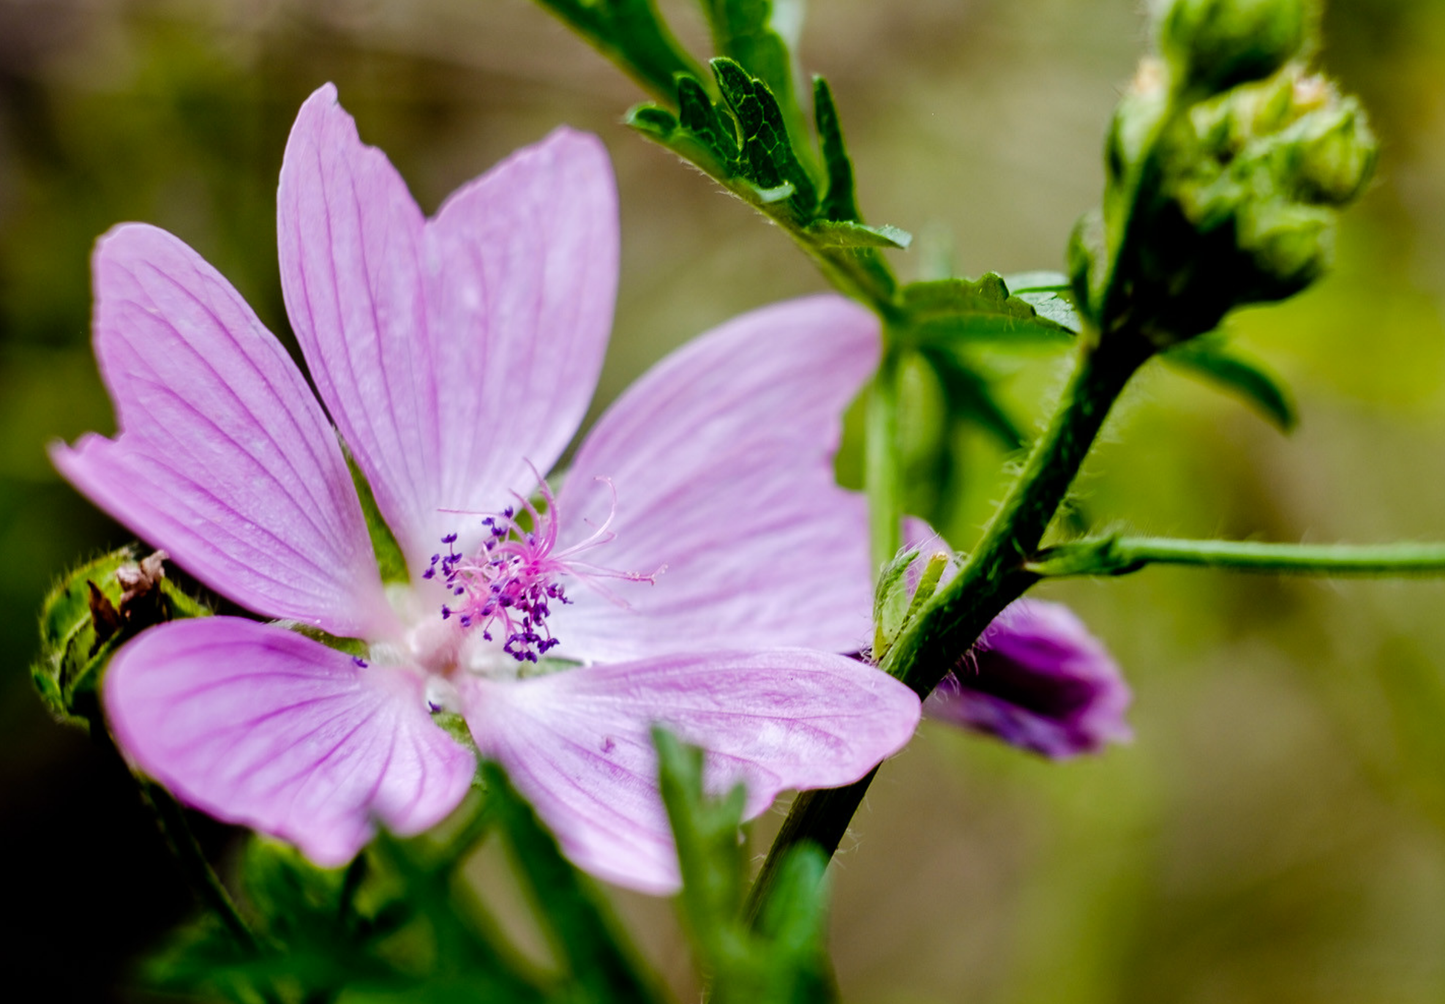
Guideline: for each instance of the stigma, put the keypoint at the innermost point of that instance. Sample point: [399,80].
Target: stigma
[505,589]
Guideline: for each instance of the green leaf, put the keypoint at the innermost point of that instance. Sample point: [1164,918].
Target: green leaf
[87,616]
[1050,294]
[745,30]
[890,601]
[1211,359]
[766,148]
[845,234]
[708,852]
[952,310]
[792,921]
[632,35]
[839,203]
[781,960]
[580,928]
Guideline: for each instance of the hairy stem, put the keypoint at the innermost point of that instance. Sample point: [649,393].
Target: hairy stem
[994,576]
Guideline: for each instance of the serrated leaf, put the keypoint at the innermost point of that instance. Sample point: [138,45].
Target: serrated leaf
[767,151]
[952,310]
[570,910]
[699,116]
[839,202]
[1211,359]
[1050,294]
[746,31]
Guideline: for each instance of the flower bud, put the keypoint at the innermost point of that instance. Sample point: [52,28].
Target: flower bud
[1212,45]
[1334,154]
[1038,680]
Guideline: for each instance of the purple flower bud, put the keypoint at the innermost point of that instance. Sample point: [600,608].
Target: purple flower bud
[1039,681]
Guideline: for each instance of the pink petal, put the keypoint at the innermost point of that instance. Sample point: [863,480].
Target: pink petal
[722,461]
[224,458]
[449,353]
[577,743]
[264,727]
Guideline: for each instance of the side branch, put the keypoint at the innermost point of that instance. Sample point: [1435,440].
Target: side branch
[1122,555]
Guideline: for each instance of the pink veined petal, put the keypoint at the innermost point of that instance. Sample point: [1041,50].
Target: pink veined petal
[577,743]
[264,727]
[448,352]
[722,462]
[224,458]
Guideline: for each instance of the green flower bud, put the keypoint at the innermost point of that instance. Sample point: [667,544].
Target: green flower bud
[1332,153]
[1212,45]
[1291,245]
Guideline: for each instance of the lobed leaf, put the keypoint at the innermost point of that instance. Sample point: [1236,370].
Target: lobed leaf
[766,149]
[846,234]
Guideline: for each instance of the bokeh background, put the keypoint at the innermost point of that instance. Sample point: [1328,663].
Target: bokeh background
[1276,832]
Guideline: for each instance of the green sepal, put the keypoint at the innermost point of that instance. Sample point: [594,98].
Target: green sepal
[896,602]
[86,617]
[389,558]
[1212,359]
[767,151]
[951,310]
[890,601]
[845,234]
[840,202]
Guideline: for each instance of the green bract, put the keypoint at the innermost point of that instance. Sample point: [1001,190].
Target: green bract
[88,615]
[1212,45]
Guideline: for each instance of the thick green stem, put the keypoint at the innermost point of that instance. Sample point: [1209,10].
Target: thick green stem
[1121,555]
[993,577]
[881,477]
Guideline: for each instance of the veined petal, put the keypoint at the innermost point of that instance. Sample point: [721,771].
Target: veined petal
[450,352]
[577,743]
[224,458]
[264,727]
[721,458]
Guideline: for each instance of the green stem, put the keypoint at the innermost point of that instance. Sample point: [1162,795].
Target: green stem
[201,877]
[1121,555]
[171,821]
[994,576]
[881,477]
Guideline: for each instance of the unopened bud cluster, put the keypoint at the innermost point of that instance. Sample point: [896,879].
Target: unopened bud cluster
[1227,162]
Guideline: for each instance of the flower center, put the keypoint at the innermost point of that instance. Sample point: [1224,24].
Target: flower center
[505,589]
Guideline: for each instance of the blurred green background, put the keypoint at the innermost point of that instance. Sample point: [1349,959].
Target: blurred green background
[1277,830]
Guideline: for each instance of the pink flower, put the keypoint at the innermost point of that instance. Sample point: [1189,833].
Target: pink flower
[1038,679]
[696,568]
